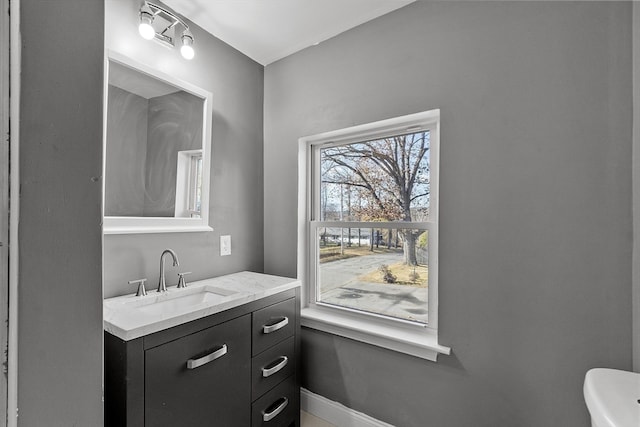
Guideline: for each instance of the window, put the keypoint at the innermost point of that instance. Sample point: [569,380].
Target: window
[195,185]
[189,184]
[368,251]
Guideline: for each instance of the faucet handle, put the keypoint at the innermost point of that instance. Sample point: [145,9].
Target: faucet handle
[181,282]
[141,290]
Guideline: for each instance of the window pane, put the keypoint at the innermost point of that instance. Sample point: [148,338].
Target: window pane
[381,271]
[195,186]
[379,180]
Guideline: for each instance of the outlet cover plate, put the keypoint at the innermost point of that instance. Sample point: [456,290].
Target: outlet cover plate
[225,245]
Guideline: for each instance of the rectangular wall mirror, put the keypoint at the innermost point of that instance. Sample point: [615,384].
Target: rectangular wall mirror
[157,151]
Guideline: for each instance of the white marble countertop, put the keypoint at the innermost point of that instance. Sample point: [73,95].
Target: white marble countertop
[124,318]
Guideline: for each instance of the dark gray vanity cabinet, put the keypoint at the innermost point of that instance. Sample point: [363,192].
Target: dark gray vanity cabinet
[237,368]
[210,388]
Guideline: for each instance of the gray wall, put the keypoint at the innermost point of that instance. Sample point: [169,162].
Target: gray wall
[175,124]
[236,207]
[59,296]
[126,150]
[535,205]
[636,186]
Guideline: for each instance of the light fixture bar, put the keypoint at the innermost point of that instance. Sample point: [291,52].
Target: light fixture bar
[157,9]
[148,14]
[173,24]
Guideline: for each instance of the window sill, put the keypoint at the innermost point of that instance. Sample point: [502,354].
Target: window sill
[404,338]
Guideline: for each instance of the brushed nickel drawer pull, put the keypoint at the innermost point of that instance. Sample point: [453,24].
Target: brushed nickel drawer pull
[195,363]
[267,329]
[267,372]
[268,416]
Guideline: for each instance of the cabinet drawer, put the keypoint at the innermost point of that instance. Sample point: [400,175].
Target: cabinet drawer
[278,407]
[273,324]
[200,379]
[272,366]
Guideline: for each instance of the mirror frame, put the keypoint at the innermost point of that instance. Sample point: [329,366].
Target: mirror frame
[132,224]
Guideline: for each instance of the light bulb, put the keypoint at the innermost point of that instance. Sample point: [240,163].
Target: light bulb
[186,50]
[145,28]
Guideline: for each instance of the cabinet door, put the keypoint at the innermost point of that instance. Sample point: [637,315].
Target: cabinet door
[201,379]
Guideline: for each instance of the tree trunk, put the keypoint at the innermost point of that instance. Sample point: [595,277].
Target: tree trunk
[371,237]
[410,257]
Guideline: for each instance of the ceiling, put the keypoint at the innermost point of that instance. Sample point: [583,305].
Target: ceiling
[268,30]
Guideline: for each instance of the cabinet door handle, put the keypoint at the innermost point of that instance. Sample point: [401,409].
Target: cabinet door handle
[268,416]
[267,329]
[267,372]
[195,363]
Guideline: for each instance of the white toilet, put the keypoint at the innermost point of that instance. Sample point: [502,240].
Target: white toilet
[612,397]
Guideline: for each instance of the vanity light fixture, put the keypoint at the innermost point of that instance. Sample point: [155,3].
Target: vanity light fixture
[161,24]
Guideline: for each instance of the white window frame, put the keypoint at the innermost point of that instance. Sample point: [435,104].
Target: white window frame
[186,184]
[395,334]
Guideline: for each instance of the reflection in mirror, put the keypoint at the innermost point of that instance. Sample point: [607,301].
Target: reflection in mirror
[156,151]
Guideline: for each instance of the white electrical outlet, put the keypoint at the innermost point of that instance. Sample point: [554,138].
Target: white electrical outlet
[225,245]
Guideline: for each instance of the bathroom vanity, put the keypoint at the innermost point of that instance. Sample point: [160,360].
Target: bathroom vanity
[221,352]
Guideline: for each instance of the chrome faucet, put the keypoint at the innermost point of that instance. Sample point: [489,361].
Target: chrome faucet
[162,286]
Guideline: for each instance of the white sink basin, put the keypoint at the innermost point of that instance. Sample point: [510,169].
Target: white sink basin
[612,397]
[178,300]
[129,317]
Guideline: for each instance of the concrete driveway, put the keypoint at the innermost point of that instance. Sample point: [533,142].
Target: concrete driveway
[340,286]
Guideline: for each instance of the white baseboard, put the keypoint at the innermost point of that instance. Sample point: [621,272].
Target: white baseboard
[336,413]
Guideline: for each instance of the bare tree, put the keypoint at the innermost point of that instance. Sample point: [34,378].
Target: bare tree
[390,177]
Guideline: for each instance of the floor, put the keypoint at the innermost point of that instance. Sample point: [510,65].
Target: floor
[308,420]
